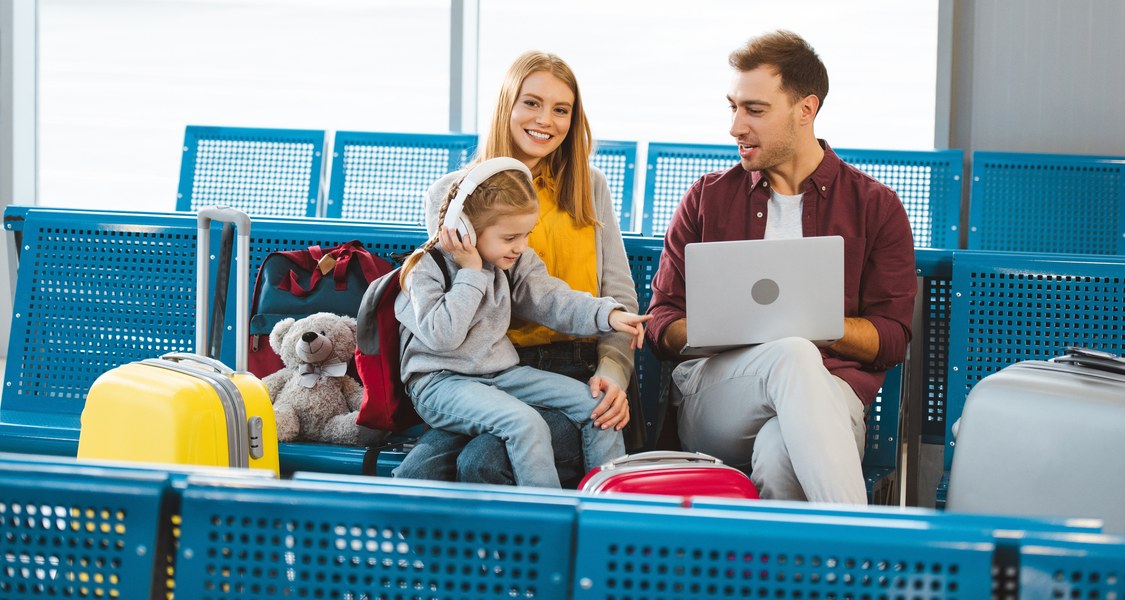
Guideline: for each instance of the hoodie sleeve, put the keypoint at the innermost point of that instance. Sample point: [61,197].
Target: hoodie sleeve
[615,278]
[538,297]
[439,319]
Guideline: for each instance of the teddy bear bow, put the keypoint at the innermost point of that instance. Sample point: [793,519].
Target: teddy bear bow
[311,373]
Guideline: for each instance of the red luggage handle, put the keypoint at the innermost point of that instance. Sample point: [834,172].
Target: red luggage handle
[224,214]
[663,456]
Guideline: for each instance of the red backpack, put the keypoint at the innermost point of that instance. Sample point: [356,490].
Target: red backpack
[385,403]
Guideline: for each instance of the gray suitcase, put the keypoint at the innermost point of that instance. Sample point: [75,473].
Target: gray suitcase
[1045,438]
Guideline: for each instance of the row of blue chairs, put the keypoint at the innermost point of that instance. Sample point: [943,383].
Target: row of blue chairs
[97,289]
[1016,198]
[114,530]
[373,176]
[126,291]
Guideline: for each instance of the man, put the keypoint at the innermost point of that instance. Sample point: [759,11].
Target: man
[790,412]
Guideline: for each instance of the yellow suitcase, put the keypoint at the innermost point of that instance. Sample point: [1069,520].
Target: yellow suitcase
[187,408]
[182,409]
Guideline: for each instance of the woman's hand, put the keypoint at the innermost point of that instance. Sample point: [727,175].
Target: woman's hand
[463,253]
[627,322]
[613,410]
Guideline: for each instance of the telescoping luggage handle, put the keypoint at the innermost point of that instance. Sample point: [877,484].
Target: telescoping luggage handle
[241,267]
[1094,359]
[662,456]
[216,365]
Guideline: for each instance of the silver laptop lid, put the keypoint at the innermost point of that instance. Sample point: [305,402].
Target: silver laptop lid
[747,292]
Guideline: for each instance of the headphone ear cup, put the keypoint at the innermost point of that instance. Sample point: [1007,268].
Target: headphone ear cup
[466,231]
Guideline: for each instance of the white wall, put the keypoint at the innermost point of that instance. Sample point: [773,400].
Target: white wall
[18,156]
[1043,76]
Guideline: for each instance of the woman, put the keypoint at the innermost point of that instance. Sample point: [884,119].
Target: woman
[540,121]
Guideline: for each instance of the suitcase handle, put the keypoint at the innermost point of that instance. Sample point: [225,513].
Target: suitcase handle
[662,456]
[241,221]
[1093,359]
[206,361]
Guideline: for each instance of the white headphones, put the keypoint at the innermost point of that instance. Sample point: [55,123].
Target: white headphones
[476,176]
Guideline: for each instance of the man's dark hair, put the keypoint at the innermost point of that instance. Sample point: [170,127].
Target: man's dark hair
[802,73]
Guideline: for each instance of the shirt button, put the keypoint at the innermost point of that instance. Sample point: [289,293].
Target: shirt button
[824,188]
[759,215]
[765,184]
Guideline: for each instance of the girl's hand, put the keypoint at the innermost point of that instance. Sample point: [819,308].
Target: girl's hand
[613,410]
[627,322]
[463,253]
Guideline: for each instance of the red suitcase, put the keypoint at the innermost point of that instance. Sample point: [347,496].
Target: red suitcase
[669,473]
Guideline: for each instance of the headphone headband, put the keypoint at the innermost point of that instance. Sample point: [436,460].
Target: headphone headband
[469,184]
[478,174]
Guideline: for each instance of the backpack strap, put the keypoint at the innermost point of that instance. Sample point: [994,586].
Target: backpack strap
[440,260]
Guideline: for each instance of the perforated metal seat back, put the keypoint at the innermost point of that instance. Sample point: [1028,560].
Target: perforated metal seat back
[263,172]
[384,176]
[701,554]
[927,182]
[671,169]
[96,291]
[618,162]
[73,532]
[1047,203]
[314,540]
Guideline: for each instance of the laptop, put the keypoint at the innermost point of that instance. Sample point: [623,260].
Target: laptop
[748,292]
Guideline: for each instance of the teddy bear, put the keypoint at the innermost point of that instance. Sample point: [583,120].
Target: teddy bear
[314,398]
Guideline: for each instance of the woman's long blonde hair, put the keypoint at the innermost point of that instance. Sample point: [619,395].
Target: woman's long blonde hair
[569,164]
[506,193]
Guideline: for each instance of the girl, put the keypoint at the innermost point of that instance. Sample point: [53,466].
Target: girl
[460,369]
[540,119]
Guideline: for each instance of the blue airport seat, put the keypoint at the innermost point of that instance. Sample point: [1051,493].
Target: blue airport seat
[126,292]
[618,162]
[72,531]
[95,290]
[653,552]
[670,170]
[644,258]
[308,539]
[1072,566]
[1011,307]
[263,172]
[928,182]
[1047,203]
[930,345]
[881,452]
[379,176]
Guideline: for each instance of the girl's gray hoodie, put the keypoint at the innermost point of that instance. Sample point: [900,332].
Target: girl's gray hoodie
[465,329]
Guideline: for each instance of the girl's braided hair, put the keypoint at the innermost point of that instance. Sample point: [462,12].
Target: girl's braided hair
[505,193]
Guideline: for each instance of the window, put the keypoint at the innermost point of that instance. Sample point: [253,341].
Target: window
[656,70]
[119,80]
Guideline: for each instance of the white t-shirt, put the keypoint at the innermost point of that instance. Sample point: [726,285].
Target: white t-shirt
[783,217]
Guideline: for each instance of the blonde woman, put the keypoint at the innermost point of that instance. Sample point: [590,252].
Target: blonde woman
[540,120]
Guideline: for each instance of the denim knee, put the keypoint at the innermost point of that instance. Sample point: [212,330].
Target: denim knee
[485,460]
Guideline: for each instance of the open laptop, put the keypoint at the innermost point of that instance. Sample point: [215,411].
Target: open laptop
[748,292]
